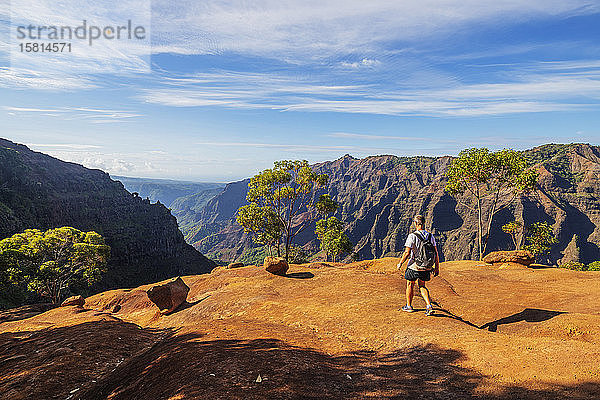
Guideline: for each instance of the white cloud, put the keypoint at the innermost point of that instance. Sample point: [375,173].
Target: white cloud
[301,30]
[347,135]
[94,115]
[42,79]
[100,56]
[63,146]
[365,62]
[352,49]
[561,87]
[338,149]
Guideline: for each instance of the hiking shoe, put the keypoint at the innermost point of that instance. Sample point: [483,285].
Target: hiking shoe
[429,310]
[407,309]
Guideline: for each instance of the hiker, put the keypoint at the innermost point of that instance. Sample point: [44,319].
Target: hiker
[422,255]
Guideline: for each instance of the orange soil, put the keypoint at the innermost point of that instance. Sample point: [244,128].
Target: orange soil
[322,331]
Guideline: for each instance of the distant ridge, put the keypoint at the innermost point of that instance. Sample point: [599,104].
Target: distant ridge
[380,194]
[166,190]
[39,191]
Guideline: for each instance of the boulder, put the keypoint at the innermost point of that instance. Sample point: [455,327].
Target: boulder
[521,257]
[276,265]
[235,265]
[168,296]
[78,301]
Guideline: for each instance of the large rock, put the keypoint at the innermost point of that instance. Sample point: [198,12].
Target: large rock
[235,265]
[78,301]
[169,296]
[276,265]
[521,257]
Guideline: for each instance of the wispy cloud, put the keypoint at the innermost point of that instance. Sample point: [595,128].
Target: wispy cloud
[64,146]
[94,115]
[43,79]
[364,63]
[561,87]
[336,149]
[114,56]
[304,30]
[347,135]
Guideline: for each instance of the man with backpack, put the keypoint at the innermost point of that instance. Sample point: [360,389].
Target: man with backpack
[422,255]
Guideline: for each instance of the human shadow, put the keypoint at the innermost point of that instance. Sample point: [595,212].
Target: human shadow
[449,314]
[300,275]
[527,315]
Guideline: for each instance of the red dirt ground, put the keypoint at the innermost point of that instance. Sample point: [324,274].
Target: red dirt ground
[322,331]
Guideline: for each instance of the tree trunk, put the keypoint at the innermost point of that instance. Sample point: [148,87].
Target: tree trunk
[288,239]
[520,236]
[479,227]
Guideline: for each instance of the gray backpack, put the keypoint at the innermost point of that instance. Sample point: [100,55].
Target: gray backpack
[425,254]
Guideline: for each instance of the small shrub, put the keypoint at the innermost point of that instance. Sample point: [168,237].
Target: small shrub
[573,266]
[297,255]
[540,239]
[595,266]
[253,256]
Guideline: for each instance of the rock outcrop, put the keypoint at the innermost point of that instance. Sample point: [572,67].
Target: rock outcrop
[521,257]
[276,265]
[78,301]
[379,196]
[235,265]
[168,296]
[512,334]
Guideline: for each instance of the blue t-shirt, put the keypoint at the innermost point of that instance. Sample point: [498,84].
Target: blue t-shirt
[411,242]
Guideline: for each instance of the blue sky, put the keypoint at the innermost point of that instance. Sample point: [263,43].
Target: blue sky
[235,85]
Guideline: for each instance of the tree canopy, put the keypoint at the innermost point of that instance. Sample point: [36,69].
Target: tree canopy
[514,229]
[50,262]
[493,179]
[540,239]
[333,240]
[276,197]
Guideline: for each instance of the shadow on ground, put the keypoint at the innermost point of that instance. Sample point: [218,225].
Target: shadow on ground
[527,315]
[121,361]
[50,363]
[300,275]
[186,304]
[23,312]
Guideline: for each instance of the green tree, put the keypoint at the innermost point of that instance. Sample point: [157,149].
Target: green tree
[514,229]
[493,179]
[540,238]
[573,266]
[334,241]
[48,263]
[277,197]
[593,266]
[263,223]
